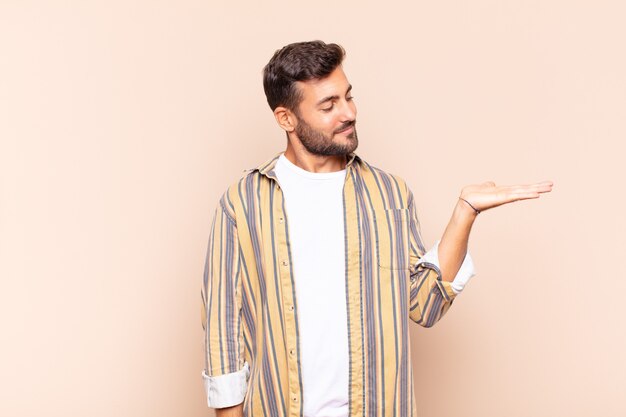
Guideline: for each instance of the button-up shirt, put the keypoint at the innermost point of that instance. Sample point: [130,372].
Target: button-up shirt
[249,304]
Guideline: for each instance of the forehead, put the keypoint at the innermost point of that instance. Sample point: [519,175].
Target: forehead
[335,84]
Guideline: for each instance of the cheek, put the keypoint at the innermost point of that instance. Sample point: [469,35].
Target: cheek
[329,122]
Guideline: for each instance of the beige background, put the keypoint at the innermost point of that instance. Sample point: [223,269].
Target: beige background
[121,122]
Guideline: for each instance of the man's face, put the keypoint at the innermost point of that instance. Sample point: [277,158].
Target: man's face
[326,116]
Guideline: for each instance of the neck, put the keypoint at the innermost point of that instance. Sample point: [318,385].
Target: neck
[300,157]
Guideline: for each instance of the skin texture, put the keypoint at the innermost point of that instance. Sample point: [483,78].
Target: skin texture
[322,131]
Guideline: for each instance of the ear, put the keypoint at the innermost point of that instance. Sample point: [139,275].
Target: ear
[285,119]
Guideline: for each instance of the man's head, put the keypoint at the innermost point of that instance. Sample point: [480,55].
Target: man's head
[310,95]
[302,61]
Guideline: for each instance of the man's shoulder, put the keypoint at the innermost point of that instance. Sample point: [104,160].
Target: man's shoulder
[248,178]
[232,196]
[248,183]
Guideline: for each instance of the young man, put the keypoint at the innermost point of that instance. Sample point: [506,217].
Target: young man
[315,262]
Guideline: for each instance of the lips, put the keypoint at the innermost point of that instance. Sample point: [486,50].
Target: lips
[347,129]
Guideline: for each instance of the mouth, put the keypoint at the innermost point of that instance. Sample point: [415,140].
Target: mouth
[348,130]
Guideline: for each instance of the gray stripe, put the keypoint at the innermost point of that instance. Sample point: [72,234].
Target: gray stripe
[219,299]
[262,393]
[347,288]
[295,309]
[249,305]
[389,192]
[435,310]
[254,237]
[414,225]
[208,294]
[229,307]
[277,284]
[269,387]
[425,315]
[367,276]
[361,266]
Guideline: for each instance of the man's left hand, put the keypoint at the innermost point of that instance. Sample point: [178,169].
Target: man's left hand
[489,195]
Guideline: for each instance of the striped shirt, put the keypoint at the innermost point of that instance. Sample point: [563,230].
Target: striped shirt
[249,309]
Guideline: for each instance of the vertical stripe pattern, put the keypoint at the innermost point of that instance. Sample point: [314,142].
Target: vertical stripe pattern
[249,307]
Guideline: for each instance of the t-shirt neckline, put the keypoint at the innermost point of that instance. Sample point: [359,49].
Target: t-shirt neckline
[282,159]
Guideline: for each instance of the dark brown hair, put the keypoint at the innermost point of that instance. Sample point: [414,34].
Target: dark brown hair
[302,61]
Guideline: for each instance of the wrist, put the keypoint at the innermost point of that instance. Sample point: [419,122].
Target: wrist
[464,213]
[473,207]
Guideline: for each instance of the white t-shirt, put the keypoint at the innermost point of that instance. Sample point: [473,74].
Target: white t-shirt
[314,206]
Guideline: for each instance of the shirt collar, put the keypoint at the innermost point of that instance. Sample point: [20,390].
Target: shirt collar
[268,166]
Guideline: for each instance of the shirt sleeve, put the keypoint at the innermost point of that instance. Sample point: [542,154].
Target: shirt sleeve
[465,273]
[430,297]
[225,374]
[226,390]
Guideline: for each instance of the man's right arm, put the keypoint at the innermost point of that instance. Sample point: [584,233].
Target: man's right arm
[225,374]
[236,411]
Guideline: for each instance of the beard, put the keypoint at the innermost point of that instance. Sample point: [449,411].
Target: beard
[317,143]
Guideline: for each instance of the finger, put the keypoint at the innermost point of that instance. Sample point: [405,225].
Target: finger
[544,185]
[545,182]
[523,196]
[538,187]
[541,188]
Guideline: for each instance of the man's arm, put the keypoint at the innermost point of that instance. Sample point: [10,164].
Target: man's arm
[475,199]
[236,411]
[431,282]
[429,296]
[225,374]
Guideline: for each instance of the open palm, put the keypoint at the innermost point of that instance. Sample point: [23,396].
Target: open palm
[489,195]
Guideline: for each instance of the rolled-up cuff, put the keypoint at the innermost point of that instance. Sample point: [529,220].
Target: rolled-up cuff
[466,271]
[226,390]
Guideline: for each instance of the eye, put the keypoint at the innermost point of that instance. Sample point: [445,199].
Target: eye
[350,98]
[327,109]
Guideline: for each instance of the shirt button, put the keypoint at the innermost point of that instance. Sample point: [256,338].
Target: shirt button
[291,308]
[291,352]
[294,399]
[281,220]
[285,263]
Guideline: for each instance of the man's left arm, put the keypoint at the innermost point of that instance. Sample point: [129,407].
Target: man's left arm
[437,276]
[473,200]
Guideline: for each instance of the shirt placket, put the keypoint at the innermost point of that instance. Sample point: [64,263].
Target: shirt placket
[288,300]
[353,293]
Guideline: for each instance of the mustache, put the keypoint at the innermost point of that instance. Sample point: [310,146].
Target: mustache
[346,125]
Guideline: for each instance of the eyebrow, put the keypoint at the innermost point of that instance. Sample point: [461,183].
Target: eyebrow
[335,97]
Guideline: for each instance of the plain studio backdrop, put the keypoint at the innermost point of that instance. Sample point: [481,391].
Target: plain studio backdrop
[122,122]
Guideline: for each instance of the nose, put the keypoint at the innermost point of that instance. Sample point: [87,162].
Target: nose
[348,111]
